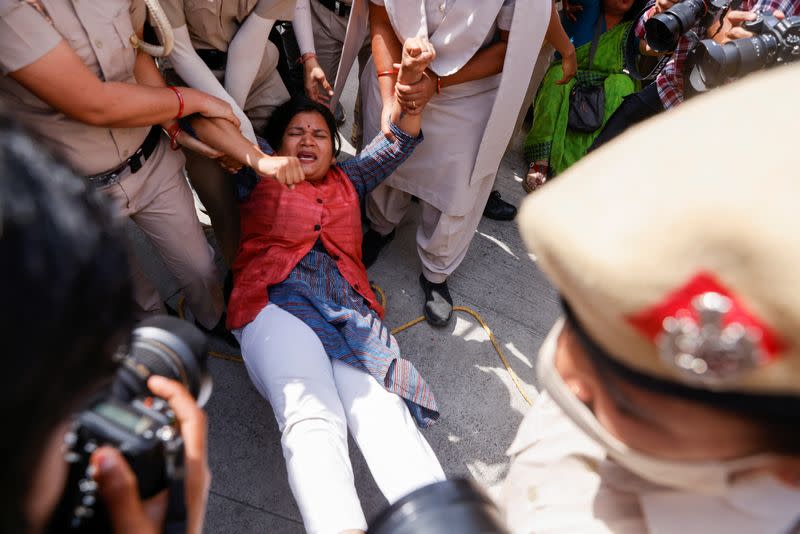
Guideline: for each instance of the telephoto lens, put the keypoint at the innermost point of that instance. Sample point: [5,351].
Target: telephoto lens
[712,64]
[164,346]
[662,31]
[445,507]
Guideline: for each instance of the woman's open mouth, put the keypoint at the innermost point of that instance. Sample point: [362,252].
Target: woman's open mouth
[306,157]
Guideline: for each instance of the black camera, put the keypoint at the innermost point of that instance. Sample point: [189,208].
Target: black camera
[662,31]
[127,416]
[441,508]
[776,42]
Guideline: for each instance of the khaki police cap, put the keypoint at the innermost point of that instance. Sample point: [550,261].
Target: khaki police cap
[677,246]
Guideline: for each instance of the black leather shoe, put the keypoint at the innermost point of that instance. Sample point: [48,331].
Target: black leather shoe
[438,308]
[372,245]
[220,332]
[498,209]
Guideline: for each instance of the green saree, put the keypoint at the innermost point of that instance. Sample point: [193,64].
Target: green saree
[549,138]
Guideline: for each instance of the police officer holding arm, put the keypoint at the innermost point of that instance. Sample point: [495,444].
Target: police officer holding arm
[221,47]
[73,77]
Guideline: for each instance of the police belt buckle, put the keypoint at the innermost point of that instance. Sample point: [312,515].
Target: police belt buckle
[135,162]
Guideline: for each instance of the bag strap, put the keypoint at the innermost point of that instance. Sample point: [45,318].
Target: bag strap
[632,52]
[598,32]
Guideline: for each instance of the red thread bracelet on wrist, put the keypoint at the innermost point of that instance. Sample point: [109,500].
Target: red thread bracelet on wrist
[307,56]
[387,73]
[173,132]
[180,101]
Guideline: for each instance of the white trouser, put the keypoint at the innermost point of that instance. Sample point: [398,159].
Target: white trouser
[315,401]
[442,240]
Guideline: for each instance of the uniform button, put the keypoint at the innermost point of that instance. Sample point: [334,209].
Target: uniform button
[319,201]
[335,257]
[442,6]
[98,44]
[317,227]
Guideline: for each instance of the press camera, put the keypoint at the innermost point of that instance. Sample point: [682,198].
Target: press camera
[128,417]
[775,42]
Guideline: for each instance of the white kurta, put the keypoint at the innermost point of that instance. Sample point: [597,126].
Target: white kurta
[466,130]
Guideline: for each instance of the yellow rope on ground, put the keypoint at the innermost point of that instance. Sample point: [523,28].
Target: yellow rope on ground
[514,378]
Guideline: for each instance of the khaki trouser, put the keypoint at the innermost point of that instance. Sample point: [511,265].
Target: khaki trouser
[159,201]
[442,240]
[329,32]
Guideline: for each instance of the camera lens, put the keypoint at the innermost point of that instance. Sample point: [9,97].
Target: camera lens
[169,347]
[441,508]
[754,53]
[714,64]
[664,30]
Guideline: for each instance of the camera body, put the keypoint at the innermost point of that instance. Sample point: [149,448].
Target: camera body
[776,41]
[128,417]
[665,29]
[146,436]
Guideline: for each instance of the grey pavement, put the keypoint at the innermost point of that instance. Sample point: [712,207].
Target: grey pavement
[480,406]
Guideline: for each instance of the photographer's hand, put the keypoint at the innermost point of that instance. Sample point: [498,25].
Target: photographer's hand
[663,5]
[117,484]
[731,26]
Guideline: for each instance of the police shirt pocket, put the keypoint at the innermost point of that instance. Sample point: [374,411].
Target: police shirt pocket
[123,54]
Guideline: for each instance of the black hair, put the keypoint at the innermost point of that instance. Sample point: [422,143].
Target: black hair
[776,416]
[66,301]
[283,115]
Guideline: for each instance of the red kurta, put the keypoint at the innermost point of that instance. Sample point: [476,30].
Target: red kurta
[279,227]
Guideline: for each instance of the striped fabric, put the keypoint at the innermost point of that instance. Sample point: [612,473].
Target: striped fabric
[317,293]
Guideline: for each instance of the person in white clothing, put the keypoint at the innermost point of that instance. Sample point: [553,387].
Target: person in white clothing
[481,61]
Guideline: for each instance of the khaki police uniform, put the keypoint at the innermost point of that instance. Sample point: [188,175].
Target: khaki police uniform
[685,276]
[330,30]
[212,24]
[157,197]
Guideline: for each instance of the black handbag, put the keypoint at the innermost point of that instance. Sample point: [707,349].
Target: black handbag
[587,101]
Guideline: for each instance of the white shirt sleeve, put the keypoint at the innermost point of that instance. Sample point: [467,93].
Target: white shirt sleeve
[506,15]
[197,75]
[302,26]
[245,53]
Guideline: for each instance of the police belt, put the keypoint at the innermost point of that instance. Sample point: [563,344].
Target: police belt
[213,58]
[134,163]
[340,9]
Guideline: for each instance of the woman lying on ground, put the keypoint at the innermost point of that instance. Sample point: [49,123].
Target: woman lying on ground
[310,326]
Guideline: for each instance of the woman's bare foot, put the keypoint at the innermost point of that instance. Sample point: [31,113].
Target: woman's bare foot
[537,176]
